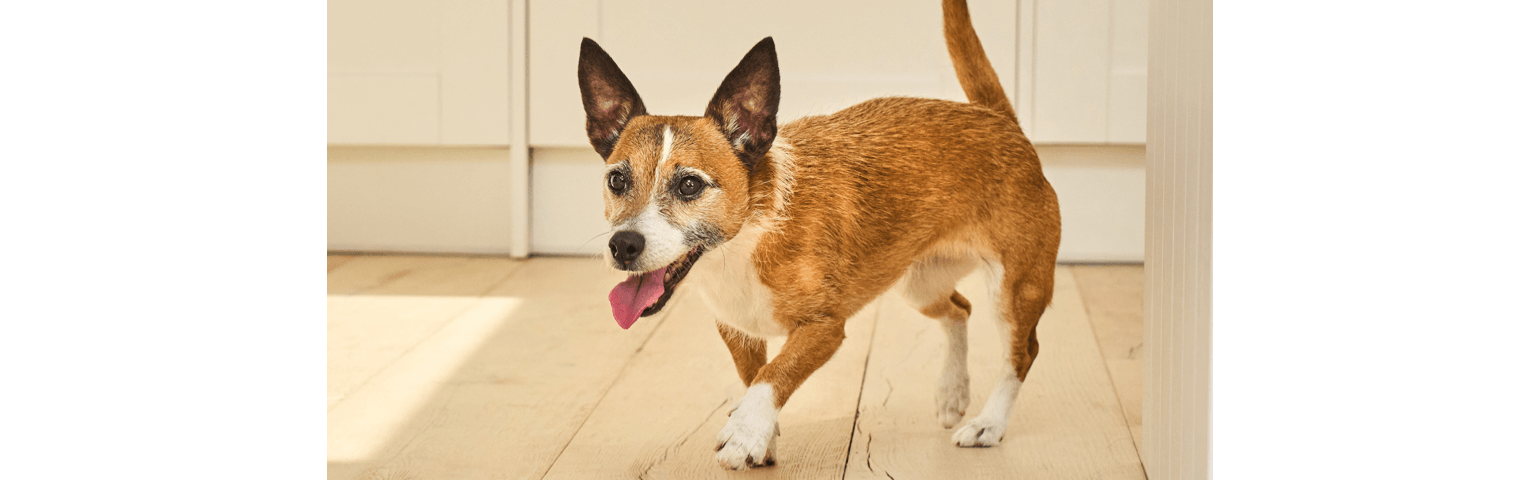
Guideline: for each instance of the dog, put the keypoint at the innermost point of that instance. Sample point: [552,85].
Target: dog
[789,230]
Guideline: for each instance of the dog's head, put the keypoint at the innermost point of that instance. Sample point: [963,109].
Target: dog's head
[674,187]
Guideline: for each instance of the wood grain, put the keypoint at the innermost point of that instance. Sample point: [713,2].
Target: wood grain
[332,261]
[1114,300]
[661,419]
[419,275]
[1066,422]
[512,404]
[445,367]
[397,303]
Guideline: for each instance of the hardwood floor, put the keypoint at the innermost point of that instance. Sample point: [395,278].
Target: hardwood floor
[476,367]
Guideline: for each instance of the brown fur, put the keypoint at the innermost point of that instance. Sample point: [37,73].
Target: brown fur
[877,187]
[893,180]
[748,352]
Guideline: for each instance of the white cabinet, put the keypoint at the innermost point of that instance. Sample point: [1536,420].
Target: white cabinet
[1075,68]
[420,72]
[426,126]
[1084,70]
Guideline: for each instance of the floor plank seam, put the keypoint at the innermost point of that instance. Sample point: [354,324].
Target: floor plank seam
[517,265]
[600,399]
[1086,305]
[866,368]
[683,440]
[339,264]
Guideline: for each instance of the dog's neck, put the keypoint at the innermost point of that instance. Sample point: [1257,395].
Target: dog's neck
[770,191]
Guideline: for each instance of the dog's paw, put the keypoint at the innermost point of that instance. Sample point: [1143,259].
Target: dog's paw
[744,444]
[982,431]
[951,401]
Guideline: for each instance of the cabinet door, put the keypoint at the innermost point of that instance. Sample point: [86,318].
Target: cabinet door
[1084,70]
[832,54]
[418,72]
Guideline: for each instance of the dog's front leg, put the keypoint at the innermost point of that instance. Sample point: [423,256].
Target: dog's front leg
[748,352]
[748,440]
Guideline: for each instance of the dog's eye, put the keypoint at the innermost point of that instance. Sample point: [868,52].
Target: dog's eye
[689,186]
[617,182]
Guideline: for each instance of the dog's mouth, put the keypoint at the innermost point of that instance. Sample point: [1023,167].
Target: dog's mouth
[645,294]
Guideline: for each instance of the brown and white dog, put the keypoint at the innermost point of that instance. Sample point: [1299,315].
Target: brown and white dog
[789,230]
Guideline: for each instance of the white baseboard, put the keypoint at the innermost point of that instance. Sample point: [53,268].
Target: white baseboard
[419,199]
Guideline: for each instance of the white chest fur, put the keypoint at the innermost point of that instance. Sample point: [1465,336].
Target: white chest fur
[729,282]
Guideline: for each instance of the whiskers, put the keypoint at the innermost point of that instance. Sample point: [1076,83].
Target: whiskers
[603,260]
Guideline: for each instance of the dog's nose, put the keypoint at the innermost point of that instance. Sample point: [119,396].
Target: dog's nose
[626,246]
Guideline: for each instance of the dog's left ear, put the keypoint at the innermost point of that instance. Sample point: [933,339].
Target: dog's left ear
[744,106]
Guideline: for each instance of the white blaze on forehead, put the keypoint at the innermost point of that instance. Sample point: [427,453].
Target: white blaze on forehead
[668,147]
[664,242]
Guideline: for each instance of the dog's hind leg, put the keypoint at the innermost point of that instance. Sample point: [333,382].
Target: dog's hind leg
[930,288]
[1023,288]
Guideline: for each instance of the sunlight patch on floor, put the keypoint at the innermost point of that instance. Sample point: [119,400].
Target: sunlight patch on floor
[405,366]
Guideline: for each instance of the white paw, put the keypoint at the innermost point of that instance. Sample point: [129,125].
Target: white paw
[741,445]
[982,431]
[748,439]
[951,400]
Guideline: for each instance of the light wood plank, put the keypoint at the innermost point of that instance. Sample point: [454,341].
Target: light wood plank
[1114,300]
[333,261]
[1066,422]
[419,275]
[366,333]
[372,271]
[661,419]
[545,350]
[407,299]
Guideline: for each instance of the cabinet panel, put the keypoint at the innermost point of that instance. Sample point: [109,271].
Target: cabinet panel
[1130,59]
[390,47]
[1072,65]
[474,65]
[1026,66]
[382,109]
[556,29]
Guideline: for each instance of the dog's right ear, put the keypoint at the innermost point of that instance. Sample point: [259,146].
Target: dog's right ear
[608,97]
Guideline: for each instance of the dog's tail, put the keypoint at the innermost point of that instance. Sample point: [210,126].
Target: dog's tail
[973,70]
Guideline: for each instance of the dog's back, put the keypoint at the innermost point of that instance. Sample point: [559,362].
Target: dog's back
[889,180]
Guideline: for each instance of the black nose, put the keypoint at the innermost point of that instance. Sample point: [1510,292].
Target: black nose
[626,246]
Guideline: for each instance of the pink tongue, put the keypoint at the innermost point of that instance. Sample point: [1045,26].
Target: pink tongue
[635,294]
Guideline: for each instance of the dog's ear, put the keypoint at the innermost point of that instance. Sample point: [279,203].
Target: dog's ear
[744,106]
[608,97]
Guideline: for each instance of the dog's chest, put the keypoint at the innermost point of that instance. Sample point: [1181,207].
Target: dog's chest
[729,282]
